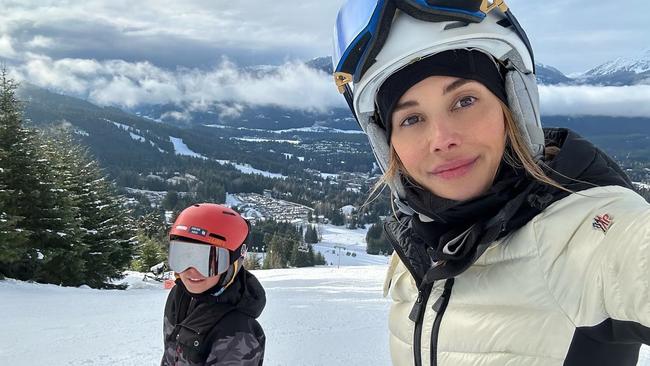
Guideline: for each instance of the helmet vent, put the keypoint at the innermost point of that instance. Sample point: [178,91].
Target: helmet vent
[217,236]
[229,213]
[455,25]
[505,23]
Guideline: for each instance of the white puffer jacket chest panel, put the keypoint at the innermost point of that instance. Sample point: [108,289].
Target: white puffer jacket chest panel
[522,301]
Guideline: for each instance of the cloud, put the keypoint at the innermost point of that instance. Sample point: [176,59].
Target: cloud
[615,101]
[230,110]
[178,116]
[228,88]
[40,42]
[169,33]
[6,47]
[129,84]
[166,51]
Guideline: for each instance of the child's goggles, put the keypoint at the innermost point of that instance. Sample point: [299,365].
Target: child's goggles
[208,259]
[362,27]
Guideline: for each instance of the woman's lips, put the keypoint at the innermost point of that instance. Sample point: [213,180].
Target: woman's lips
[454,169]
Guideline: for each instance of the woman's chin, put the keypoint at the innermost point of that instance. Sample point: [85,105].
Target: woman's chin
[457,192]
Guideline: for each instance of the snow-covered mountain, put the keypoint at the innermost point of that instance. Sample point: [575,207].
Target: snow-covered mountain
[620,71]
[546,74]
[321,63]
[549,75]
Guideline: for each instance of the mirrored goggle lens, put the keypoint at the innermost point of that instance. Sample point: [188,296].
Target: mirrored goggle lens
[355,24]
[361,28]
[207,259]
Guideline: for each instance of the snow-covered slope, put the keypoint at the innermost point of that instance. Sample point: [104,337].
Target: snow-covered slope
[345,247]
[313,316]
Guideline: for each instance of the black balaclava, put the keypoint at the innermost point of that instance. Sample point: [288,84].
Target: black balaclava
[461,63]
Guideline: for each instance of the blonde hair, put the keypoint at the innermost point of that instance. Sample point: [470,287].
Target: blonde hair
[523,158]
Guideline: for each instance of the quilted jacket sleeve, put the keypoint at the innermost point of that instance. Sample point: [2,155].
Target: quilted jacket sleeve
[625,269]
[595,254]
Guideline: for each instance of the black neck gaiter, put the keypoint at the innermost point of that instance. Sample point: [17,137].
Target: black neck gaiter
[452,218]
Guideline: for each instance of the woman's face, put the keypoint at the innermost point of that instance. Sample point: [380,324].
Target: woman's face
[197,283]
[449,134]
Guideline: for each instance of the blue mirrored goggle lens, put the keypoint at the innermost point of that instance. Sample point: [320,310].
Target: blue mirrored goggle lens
[355,20]
[358,23]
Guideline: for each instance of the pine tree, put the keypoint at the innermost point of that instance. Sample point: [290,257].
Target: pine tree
[62,246]
[275,257]
[299,257]
[13,239]
[319,259]
[336,217]
[14,153]
[35,206]
[152,225]
[171,200]
[107,234]
[353,222]
[149,253]
[376,241]
[311,236]
[252,261]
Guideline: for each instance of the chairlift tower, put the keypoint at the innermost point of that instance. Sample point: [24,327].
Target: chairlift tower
[339,254]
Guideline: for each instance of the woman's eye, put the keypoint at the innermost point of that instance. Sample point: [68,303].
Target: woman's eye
[465,102]
[410,120]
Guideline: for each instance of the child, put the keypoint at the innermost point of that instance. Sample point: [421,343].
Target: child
[210,313]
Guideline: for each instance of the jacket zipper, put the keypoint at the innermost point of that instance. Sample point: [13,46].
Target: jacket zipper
[417,316]
[424,291]
[401,255]
[439,307]
[179,349]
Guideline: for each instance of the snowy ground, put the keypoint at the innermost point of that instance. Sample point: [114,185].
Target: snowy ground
[338,244]
[180,148]
[314,316]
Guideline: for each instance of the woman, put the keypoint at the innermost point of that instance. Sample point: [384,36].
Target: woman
[513,245]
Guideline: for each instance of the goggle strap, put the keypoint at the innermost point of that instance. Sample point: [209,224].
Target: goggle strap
[234,271]
[347,93]
[437,13]
[521,33]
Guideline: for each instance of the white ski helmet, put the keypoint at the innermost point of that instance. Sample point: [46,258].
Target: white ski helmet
[373,39]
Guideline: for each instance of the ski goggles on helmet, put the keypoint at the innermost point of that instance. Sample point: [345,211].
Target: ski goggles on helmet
[362,27]
[208,259]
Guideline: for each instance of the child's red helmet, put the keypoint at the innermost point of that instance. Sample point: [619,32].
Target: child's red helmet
[212,224]
[210,238]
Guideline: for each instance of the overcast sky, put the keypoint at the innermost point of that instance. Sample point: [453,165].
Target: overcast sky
[128,52]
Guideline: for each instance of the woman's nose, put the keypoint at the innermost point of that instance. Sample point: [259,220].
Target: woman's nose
[443,136]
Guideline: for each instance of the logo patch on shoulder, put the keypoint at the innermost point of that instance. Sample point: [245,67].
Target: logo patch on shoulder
[603,222]
[198,231]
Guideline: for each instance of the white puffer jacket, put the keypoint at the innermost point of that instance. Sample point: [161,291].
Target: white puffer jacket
[571,287]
